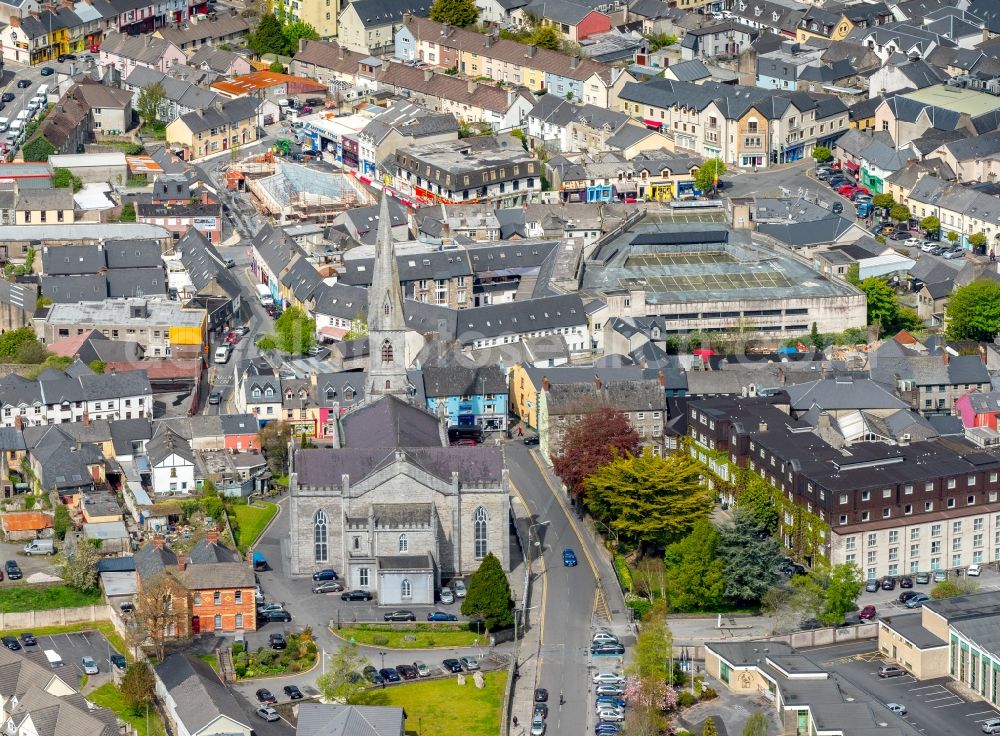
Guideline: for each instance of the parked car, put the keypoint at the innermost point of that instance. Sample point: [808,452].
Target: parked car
[407,671]
[899,235]
[837,208]
[537,726]
[119,661]
[906,595]
[459,587]
[389,674]
[608,678]
[7,97]
[326,574]
[532,440]
[607,729]
[267,713]
[973,572]
[891,670]
[372,675]
[47,71]
[265,696]
[269,607]
[232,338]
[89,666]
[899,710]
[293,692]
[242,330]
[888,583]
[11,643]
[422,669]
[469,664]
[400,615]
[868,613]
[215,398]
[277,641]
[927,246]
[618,689]
[918,600]
[609,714]
[940,576]
[23,83]
[440,616]
[922,578]
[541,695]
[604,637]
[275,616]
[330,586]
[991,725]
[872,585]
[905,581]
[540,709]
[356,595]
[953,253]
[601,649]
[613,701]
[569,558]
[912,242]
[451,665]
[447,597]
[28,639]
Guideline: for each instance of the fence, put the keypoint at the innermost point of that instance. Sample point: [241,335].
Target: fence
[54,617]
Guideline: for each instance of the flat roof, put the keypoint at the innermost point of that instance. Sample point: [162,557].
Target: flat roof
[118,311]
[908,626]
[86,231]
[82,160]
[958,99]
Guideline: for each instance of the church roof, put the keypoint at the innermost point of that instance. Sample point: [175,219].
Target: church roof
[391,422]
[475,466]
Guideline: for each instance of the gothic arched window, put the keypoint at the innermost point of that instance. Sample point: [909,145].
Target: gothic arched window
[320,546]
[386,352]
[405,589]
[480,519]
[404,543]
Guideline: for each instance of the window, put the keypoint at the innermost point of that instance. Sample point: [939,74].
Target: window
[914,550]
[238,596]
[404,543]
[218,622]
[320,546]
[872,540]
[850,543]
[197,596]
[480,519]
[935,530]
[239,620]
[363,577]
[217,598]
[915,533]
[386,352]
[405,589]
[357,543]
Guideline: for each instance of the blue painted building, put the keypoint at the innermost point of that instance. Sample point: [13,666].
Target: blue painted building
[468,397]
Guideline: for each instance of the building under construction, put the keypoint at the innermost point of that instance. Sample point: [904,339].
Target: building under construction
[288,192]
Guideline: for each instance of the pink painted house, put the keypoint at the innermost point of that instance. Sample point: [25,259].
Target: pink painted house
[978,409]
[125,53]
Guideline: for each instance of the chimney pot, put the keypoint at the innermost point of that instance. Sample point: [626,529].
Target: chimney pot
[597,382]
[663,379]
[546,386]
[158,541]
[212,537]
[181,563]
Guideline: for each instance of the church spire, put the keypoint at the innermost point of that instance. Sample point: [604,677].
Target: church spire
[386,322]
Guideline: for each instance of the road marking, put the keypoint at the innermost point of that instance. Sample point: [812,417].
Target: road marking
[981,713]
[943,697]
[926,687]
[949,705]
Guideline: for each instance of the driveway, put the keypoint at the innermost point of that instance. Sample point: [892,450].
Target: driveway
[28,565]
[933,706]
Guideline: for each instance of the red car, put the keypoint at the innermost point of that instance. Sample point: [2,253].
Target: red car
[846,190]
[868,613]
[232,338]
[861,189]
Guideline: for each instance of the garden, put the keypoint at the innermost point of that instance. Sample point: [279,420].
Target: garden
[470,711]
[20,598]
[299,656]
[249,521]
[413,636]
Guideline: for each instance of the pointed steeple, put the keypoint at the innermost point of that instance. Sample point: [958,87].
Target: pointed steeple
[386,322]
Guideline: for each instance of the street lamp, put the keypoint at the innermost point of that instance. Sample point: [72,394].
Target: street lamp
[528,551]
[382,654]
[610,530]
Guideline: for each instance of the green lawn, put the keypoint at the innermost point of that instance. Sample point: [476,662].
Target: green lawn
[425,636]
[443,708]
[19,598]
[211,660]
[107,696]
[104,627]
[250,522]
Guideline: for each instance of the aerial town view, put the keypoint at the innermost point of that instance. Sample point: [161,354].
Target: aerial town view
[499,367]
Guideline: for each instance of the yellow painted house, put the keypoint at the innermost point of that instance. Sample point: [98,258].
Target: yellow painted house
[822,24]
[218,128]
[524,393]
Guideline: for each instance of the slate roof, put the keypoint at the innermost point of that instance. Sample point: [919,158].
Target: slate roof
[476,466]
[842,393]
[459,381]
[389,423]
[316,719]
[374,13]
[66,260]
[198,692]
[205,265]
[69,715]
[637,395]
[219,114]
[166,442]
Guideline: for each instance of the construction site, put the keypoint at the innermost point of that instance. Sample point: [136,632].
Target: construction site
[286,192]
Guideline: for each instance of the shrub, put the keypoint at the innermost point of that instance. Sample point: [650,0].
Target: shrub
[624,574]
[640,607]
[380,641]
[238,648]
[295,666]
[708,693]
[685,699]
[265,656]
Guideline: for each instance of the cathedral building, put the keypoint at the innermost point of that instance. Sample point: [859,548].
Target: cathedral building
[393,508]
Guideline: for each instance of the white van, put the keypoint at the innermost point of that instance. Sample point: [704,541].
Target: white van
[53,657]
[16,127]
[43,90]
[4,124]
[39,547]
[221,354]
[38,101]
[264,295]
[23,115]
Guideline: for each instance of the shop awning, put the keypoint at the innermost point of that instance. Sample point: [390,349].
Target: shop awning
[655,124]
[851,165]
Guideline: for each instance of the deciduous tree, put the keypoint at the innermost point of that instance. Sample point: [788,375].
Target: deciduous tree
[459,13]
[649,499]
[899,212]
[653,647]
[974,311]
[822,154]
[295,331]
[882,308]
[883,200]
[138,686]
[842,593]
[977,240]
[150,104]
[756,725]
[546,37]
[488,595]
[274,438]
[755,501]
[708,175]
[294,31]
[80,570]
[61,520]
[695,580]
[601,435]
[160,611]
[12,340]
[267,37]
[339,683]
[930,225]
[751,559]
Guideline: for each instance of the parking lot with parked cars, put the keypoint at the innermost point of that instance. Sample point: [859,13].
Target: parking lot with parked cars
[82,653]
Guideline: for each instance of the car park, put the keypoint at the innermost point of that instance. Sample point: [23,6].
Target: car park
[293,692]
[277,641]
[451,665]
[356,595]
[330,586]
[422,669]
[974,570]
[569,558]
[447,597]
[89,666]
[891,670]
[265,696]
[918,600]
[899,710]
[326,574]
[389,674]
[400,615]
[441,616]
[372,675]
[469,664]
[267,713]
[11,643]
[407,672]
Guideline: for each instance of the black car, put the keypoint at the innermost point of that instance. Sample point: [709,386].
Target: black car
[837,208]
[325,575]
[906,595]
[293,692]
[541,695]
[872,586]
[888,583]
[810,623]
[452,665]
[275,616]
[119,661]
[11,643]
[13,571]
[215,398]
[277,641]
[906,582]
[28,639]
[371,674]
[266,696]
[608,648]
[900,235]
[23,83]
[389,675]
[7,97]
[541,710]
[356,595]
[401,615]
[47,71]
[532,440]
[407,671]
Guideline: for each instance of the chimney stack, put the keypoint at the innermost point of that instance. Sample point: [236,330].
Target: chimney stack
[428,75]
[86,419]
[472,86]
[597,382]
[762,426]
[181,563]
[340,52]
[663,379]
[212,537]
[546,386]
[158,541]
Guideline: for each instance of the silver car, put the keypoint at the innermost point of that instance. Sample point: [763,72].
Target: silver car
[537,726]
[89,666]
[447,596]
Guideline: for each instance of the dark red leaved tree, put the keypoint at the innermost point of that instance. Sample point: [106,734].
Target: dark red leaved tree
[600,435]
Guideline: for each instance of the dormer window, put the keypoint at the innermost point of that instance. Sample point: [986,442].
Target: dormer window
[269,392]
[330,394]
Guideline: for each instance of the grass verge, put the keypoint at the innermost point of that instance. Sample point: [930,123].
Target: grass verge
[424,636]
[104,627]
[470,711]
[248,522]
[211,660]
[20,598]
[108,697]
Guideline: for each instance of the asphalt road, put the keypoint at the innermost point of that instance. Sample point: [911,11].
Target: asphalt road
[566,611]
[8,83]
